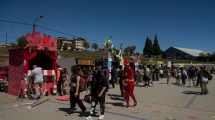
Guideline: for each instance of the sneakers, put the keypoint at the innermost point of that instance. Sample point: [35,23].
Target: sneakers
[84,110]
[127,106]
[135,104]
[101,117]
[70,111]
[89,118]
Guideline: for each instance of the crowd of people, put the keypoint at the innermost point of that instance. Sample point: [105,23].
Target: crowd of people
[97,81]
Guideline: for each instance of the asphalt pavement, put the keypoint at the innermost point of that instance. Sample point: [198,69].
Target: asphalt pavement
[160,102]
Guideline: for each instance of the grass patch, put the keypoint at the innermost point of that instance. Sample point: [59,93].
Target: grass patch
[4,52]
[101,54]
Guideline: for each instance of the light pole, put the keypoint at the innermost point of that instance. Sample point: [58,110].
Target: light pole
[35,21]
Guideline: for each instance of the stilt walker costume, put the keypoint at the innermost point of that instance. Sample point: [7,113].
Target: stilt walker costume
[129,83]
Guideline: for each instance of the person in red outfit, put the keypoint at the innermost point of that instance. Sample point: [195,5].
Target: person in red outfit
[129,83]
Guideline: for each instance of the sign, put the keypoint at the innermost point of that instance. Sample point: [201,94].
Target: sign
[41,42]
[169,64]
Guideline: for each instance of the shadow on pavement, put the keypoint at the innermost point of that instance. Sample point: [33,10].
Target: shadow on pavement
[118,104]
[113,95]
[191,93]
[163,83]
[179,85]
[81,114]
[64,109]
[116,97]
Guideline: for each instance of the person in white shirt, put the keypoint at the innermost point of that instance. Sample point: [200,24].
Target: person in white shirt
[38,80]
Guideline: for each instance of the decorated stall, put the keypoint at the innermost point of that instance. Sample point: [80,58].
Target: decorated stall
[40,51]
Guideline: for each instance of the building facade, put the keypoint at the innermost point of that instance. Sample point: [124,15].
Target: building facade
[182,53]
[78,43]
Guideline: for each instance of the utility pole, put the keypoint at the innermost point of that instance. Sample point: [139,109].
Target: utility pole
[6,39]
[35,21]
[121,46]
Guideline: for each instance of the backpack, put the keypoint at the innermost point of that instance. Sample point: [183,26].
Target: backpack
[210,77]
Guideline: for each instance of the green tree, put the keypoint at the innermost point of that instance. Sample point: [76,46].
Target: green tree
[148,48]
[21,41]
[86,45]
[212,56]
[127,50]
[132,49]
[59,43]
[95,46]
[72,46]
[65,46]
[156,47]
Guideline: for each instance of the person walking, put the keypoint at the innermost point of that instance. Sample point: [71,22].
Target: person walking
[183,75]
[167,74]
[178,75]
[65,86]
[191,75]
[120,77]
[204,74]
[75,90]
[99,87]
[129,83]
[113,76]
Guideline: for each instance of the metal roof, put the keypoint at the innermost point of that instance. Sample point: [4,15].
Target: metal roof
[192,52]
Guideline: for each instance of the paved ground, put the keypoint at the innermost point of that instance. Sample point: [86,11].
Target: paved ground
[161,102]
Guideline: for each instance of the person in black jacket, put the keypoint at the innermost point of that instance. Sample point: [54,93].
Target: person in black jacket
[99,88]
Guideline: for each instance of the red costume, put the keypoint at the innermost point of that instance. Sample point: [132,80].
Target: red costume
[129,83]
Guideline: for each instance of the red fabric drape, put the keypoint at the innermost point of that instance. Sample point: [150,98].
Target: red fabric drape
[54,57]
[30,55]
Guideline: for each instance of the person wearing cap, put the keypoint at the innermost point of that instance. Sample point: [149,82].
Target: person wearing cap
[129,83]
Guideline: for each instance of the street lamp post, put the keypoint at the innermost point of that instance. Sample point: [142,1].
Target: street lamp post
[35,21]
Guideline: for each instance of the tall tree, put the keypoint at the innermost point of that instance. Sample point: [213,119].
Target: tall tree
[72,46]
[132,49]
[127,50]
[156,47]
[95,46]
[59,43]
[86,45]
[21,41]
[148,49]
[65,46]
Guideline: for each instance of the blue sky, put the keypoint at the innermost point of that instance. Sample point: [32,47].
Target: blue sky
[181,23]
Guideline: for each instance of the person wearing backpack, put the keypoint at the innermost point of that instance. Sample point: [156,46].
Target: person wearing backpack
[191,75]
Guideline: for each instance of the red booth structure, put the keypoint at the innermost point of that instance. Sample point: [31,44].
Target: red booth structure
[21,62]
